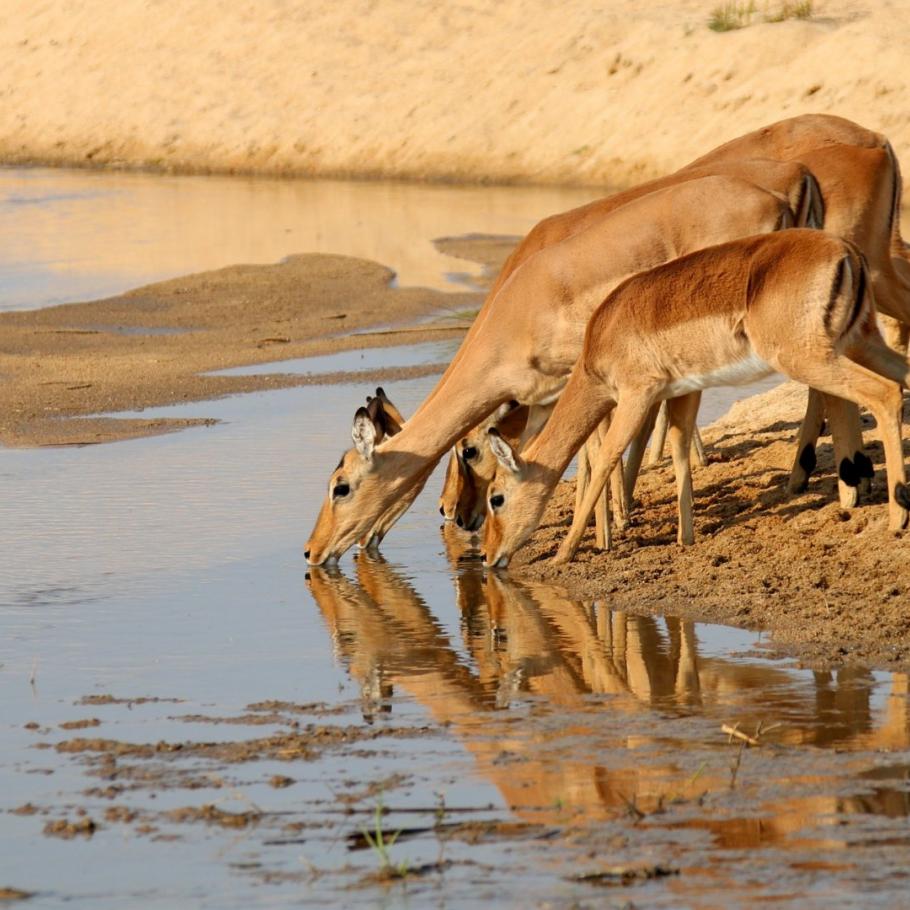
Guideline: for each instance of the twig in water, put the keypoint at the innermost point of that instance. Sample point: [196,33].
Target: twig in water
[734,766]
[735,732]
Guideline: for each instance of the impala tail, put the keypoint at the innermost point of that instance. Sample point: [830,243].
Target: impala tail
[810,207]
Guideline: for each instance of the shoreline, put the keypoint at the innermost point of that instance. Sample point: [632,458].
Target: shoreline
[69,369]
[829,586]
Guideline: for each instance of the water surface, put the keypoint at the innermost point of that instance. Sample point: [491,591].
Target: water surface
[532,750]
[583,738]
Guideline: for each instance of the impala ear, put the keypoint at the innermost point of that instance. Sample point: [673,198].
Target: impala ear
[366,433]
[500,412]
[504,453]
[390,411]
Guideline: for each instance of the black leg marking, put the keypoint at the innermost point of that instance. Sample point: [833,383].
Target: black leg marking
[863,465]
[848,473]
[807,459]
[902,495]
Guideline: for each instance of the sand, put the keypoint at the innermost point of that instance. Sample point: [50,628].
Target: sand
[515,91]
[829,585]
[61,364]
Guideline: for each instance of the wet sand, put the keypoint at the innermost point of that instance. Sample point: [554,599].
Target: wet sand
[152,346]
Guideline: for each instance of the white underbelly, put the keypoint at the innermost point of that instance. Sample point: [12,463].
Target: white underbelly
[741,372]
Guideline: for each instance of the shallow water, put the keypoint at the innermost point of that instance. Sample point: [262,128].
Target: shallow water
[530,738]
[517,739]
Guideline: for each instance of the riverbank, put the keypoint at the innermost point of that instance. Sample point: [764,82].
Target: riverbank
[518,92]
[830,585]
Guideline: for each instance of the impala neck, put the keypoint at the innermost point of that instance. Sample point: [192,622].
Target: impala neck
[460,402]
[581,407]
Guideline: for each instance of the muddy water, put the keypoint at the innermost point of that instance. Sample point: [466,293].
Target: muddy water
[532,750]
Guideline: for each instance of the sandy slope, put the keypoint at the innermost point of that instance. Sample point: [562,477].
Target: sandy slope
[519,90]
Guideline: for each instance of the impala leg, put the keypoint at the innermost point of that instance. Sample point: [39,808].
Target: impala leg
[809,431]
[876,356]
[681,413]
[687,683]
[621,506]
[843,378]
[637,452]
[897,334]
[850,462]
[619,513]
[582,474]
[659,437]
[603,533]
[698,448]
[629,415]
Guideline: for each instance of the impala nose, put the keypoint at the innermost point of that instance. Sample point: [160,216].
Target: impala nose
[442,511]
[459,521]
[306,554]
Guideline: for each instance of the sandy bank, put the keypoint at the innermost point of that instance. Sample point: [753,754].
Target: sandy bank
[516,91]
[153,346]
[829,584]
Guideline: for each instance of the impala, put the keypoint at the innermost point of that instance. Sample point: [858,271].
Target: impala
[796,301]
[859,182]
[861,194]
[526,351]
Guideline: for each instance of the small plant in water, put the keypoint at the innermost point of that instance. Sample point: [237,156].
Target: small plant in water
[381,843]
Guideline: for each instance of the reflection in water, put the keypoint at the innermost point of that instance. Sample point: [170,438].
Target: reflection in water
[616,703]
[78,235]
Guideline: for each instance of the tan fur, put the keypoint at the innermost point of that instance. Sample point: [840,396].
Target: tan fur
[791,299]
[466,493]
[851,185]
[528,347]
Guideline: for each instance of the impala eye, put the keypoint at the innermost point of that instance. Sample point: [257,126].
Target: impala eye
[469,453]
[341,489]
[497,500]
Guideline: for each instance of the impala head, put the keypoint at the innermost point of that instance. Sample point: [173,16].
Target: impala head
[473,465]
[344,517]
[392,421]
[516,497]
[451,487]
